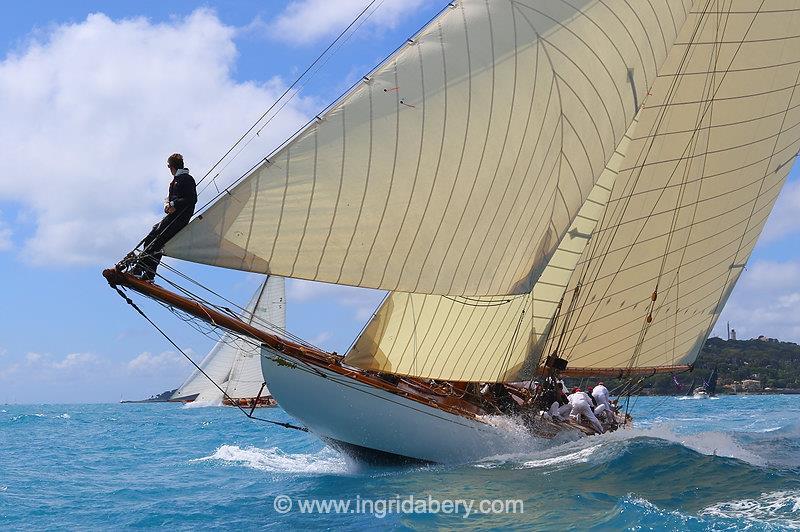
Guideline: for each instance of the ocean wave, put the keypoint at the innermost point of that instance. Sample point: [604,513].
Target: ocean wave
[778,508]
[579,456]
[607,447]
[327,461]
[201,404]
[712,443]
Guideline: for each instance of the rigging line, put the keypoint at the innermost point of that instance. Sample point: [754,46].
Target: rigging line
[510,351]
[720,31]
[251,315]
[203,301]
[171,341]
[290,98]
[636,303]
[295,82]
[694,142]
[226,190]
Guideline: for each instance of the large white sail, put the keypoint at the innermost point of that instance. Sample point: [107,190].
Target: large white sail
[717,137]
[235,365]
[481,339]
[458,165]
[713,144]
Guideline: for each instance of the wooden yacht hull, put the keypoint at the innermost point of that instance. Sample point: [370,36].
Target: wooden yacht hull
[378,426]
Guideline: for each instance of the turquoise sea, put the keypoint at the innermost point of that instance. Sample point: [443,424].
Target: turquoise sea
[731,463]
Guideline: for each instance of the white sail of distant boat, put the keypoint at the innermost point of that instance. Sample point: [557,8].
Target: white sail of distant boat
[234,365]
[547,189]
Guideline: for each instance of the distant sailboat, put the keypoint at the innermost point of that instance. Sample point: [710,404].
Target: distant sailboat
[233,365]
[709,387]
[690,389]
[546,189]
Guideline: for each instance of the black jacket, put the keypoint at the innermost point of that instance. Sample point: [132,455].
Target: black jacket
[183,193]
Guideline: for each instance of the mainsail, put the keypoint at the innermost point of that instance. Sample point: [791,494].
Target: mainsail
[233,364]
[457,166]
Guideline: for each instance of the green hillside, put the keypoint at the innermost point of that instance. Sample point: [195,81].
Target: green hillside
[776,365]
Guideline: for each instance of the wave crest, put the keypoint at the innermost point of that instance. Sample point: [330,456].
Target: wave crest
[779,508]
[274,460]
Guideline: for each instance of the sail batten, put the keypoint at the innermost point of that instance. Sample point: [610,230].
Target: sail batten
[455,167]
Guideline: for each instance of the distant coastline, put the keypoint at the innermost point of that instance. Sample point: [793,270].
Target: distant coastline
[763,366]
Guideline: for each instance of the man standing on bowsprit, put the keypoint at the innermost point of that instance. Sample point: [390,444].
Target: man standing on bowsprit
[179,208]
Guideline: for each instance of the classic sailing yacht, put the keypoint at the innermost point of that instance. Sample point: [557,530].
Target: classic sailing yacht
[231,372]
[709,387]
[546,188]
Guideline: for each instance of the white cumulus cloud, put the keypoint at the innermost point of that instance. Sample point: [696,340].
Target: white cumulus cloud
[307,21]
[5,234]
[784,219]
[765,301]
[363,301]
[91,110]
[149,363]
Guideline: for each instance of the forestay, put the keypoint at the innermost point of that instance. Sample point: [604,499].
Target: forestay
[718,134]
[235,364]
[457,166]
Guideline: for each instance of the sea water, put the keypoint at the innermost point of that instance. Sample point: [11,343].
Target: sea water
[689,464]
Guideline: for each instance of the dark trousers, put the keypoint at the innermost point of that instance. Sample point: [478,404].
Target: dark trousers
[153,243]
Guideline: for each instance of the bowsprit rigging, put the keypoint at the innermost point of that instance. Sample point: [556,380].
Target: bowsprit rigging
[546,191]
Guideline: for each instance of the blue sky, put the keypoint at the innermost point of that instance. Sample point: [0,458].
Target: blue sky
[95,95]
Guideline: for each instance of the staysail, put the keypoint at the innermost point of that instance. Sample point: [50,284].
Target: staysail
[717,136]
[233,364]
[458,165]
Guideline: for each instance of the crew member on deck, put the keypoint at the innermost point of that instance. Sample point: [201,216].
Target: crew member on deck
[179,208]
[603,409]
[600,395]
[580,404]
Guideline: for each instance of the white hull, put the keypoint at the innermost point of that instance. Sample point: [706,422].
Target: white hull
[341,409]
